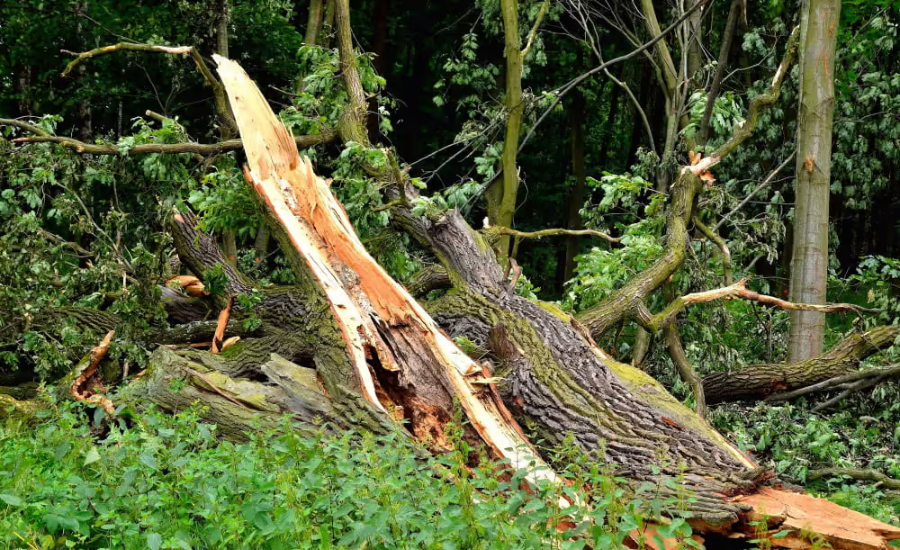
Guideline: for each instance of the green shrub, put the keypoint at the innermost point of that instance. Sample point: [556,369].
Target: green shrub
[168,482]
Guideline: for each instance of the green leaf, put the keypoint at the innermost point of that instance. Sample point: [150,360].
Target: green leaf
[92,456]
[12,500]
[154,541]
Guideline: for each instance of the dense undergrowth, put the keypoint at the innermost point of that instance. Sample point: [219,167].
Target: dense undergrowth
[168,482]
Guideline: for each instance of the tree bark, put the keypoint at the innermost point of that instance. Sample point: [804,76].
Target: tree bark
[501,199]
[314,22]
[809,270]
[760,381]
[721,67]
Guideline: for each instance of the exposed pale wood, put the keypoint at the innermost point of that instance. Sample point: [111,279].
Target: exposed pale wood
[78,389]
[357,288]
[802,514]
[219,335]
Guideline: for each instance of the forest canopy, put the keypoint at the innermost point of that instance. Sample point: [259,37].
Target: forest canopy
[622,270]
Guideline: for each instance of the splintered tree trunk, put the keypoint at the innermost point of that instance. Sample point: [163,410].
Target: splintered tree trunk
[809,272]
[367,353]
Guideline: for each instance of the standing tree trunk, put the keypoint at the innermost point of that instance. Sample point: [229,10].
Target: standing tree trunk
[314,22]
[809,270]
[579,173]
[501,199]
[229,239]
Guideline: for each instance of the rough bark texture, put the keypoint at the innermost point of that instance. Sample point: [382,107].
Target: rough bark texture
[809,270]
[761,381]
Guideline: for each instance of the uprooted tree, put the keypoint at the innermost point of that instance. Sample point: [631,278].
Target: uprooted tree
[350,346]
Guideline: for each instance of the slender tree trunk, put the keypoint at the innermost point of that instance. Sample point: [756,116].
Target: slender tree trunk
[379,62]
[229,239]
[579,173]
[314,22]
[809,269]
[721,67]
[644,96]
[502,199]
[695,39]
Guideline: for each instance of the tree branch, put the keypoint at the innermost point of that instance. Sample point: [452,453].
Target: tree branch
[534,29]
[737,290]
[745,130]
[856,473]
[685,370]
[837,381]
[222,106]
[719,242]
[37,130]
[551,232]
[205,149]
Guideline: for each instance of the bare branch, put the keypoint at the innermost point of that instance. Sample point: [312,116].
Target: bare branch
[853,388]
[571,85]
[837,381]
[753,193]
[737,290]
[37,130]
[128,46]
[205,149]
[551,232]
[222,106]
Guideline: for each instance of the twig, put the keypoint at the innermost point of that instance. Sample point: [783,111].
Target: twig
[758,188]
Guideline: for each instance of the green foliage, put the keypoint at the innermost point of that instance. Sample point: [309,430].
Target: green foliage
[602,270]
[167,482]
[863,434]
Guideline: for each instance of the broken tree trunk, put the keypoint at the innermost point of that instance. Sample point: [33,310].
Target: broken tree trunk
[760,381]
[379,355]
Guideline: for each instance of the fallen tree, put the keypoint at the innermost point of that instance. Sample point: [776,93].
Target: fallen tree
[350,346]
[378,356]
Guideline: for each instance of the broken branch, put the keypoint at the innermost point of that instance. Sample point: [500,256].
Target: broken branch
[737,290]
[743,131]
[78,389]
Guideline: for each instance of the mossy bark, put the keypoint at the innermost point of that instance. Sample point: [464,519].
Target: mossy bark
[760,381]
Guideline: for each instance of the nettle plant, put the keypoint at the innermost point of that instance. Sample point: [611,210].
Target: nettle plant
[168,482]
